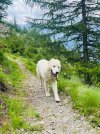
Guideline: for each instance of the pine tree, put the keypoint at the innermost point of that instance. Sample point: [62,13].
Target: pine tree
[77,21]
[3,6]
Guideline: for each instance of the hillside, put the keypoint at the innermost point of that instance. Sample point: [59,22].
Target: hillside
[19,53]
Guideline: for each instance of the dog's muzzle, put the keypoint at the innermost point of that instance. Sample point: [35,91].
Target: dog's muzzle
[54,75]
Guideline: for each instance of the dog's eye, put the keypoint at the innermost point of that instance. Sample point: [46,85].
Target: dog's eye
[53,66]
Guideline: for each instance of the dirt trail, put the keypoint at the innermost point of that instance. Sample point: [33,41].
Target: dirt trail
[59,118]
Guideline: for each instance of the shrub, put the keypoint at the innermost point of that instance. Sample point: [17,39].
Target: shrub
[1,57]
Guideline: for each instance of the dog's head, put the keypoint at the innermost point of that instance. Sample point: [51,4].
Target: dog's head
[55,67]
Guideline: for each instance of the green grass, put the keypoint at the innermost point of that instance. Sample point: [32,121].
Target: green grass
[10,73]
[28,62]
[30,65]
[15,108]
[38,127]
[17,113]
[86,99]
[14,117]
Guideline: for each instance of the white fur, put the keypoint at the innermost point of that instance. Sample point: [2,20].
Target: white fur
[48,71]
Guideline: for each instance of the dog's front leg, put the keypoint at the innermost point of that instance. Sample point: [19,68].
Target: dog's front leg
[46,88]
[55,90]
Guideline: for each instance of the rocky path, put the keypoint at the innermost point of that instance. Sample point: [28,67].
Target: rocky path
[59,118]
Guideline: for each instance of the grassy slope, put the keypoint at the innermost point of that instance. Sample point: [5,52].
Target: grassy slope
[17,110]
[86,99]
[10,73]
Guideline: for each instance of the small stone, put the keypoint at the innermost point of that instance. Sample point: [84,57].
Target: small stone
[53,128]
[52,122]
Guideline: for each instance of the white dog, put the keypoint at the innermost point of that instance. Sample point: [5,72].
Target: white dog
[48,72]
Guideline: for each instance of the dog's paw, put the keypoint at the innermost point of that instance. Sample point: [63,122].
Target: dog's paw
[58,100]
[48,95]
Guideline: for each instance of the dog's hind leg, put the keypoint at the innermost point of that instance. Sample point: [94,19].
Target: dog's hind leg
[39,76]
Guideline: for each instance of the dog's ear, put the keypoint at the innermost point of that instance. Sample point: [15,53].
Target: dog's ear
[50,61]
[59,62]
[54,60]
[49,65]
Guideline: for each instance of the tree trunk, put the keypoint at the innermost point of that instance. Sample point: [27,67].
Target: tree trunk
[85,43]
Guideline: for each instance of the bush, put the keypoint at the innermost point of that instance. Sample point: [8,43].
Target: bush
[93,71]
[1,56]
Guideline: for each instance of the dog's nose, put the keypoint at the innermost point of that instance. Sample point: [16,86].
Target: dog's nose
[57,72]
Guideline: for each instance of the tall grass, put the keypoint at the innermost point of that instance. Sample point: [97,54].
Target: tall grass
[17,114]
[14,116]
[28,62]
[86,99]
[30,65]
[10,73]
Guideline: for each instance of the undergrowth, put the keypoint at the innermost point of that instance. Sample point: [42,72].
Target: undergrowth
[17,114]
[28,62]
[30,65]
[10,73]
[85,98]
